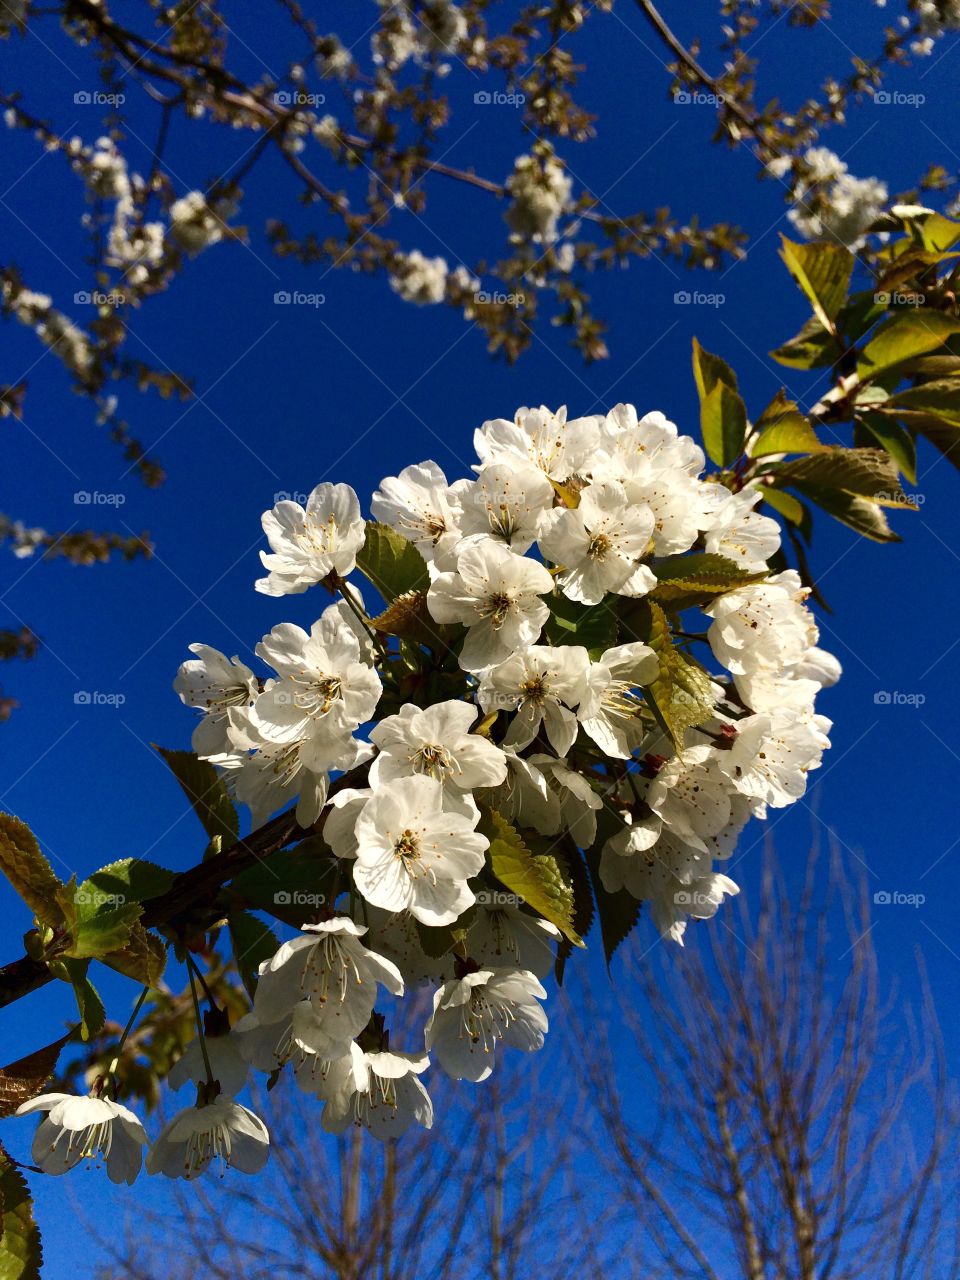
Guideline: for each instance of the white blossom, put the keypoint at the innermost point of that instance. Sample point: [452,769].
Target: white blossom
[539,685]
[599,544]
[214,683]
[471,1014]
[79,1128]
[506,503]
[382,1093]
[222,1131]
[418,504]
[419,279]
[309,544]
[560,448]
[611,706]
[437,742]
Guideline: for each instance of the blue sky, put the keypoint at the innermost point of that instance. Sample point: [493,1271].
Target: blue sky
[357,388]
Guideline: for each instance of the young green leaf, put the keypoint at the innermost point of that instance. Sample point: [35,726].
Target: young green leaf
[897,440]
[391,563]
[535,877]
[708,370]
[21,1255]
[903,337]
[28,870]
[869,473]
[206,791]
[857,513]
[823,271]
[723,424]
[811,348]
[680,696]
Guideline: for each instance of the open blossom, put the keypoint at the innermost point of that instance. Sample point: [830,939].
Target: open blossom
[539,685]
[497,596]
[741,534]
[526,798]
[221,1131]
[437,742]
[503,935]
[419,279]
[328,966]
[507,503]
[558,447]
[599,544]
[471,1014]
[414,855]
[381,1092]
[691,795]
[540,192]
[771,755]
[308,544]
[79,1128]
[579,802]
[419,505]
[762,626]
[214,683]
[610,708]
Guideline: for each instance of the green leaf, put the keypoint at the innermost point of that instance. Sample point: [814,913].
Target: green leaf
[897,440]
[784,429]
[812,348]
[618,912]
[708,370]
[206,791]
[129,880]
[21,1255]
[787,505]
[938,399]
[293,885]
[703,572]
[28,870]
[143,958]
[97,922]
[723,424]
[252,942]
[869,473]
[391,563]
[938,233]
[534,877]
[858,513]
[24,1079]
[902,338]
[823,271]
[680,696]
[89,1004]
[860,314]
[592,626]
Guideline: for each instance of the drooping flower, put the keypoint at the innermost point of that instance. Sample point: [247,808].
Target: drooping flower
[599,544]
[471,1014]
[415,855]
[214,683]
[381,1092]
[328,966]
[221,1131]
[79,1128]
[497,596]
[610,710]
[539,685]
[309,544]
[503,935]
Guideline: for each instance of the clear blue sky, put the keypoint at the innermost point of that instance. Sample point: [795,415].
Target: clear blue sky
[357,388]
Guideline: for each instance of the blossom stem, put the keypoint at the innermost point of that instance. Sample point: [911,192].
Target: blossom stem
[194,973]
[112,1069]
[363,620]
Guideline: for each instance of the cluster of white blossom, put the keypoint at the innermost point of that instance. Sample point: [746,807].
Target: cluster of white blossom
[516,731]
[408,31]
[36,310]
[831,203]
[932,19]
[426,281]
[539,189]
